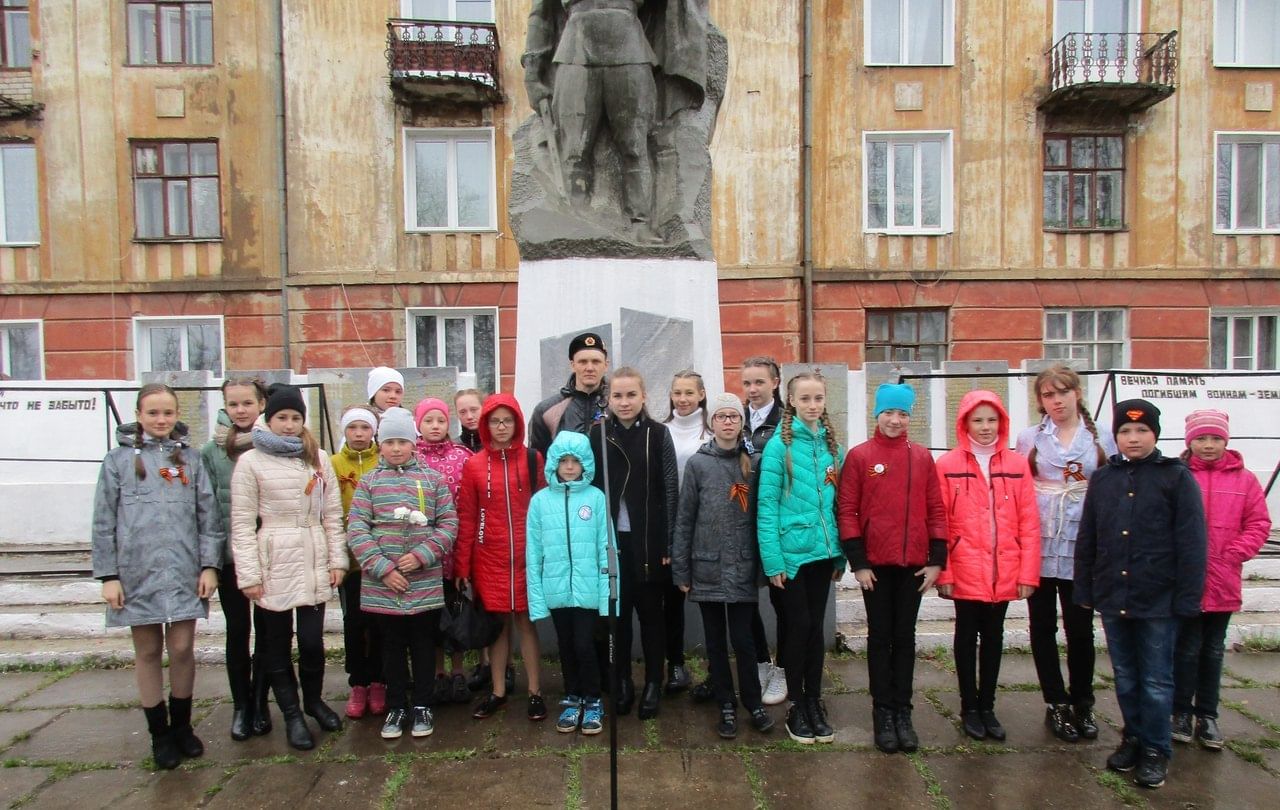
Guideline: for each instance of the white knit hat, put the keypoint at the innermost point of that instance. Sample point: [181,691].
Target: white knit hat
[722,402]
[357,415]
[382,375]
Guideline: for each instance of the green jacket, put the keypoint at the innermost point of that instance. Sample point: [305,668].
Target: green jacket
[796,515]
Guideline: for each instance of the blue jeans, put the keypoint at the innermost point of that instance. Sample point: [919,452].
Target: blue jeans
[1142,657]
[1198,664]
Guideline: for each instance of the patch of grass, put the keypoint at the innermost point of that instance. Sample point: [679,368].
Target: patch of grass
[491,740]
[934,700]
[32,666]
[1120,786]
[837,682]
[1247,752]
[932,785]
[391,789]
[756,780]
[573,781]
[651,737]
[941,656]
[1244,680]
[697,667]
[1256,642]
[1251,714]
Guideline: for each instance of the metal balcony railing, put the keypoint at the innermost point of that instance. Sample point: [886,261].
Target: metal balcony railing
[1121,58]
[441,51]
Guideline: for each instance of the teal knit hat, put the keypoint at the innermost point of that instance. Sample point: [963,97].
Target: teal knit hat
[895,397]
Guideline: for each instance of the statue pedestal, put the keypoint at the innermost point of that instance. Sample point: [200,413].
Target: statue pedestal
[659,315]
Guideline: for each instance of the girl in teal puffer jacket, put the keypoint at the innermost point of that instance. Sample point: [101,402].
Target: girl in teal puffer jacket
[566,556]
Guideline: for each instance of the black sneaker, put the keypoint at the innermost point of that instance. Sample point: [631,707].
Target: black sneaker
[760,720]
[798,727]
[1086,725]
[822,731]
[994,730]
[886,736]
[1125,757]
[488,706]
[1059,720]
[1207,733]
[1180,727]
[908,741]
[971,723]
[727,728]
[703,692]
[678,679]
[393,725]
[1152,769]
[537,708]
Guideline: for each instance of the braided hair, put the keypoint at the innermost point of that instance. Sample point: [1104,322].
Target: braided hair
[175,456]
[789,412]
[1065,379]
[770,365]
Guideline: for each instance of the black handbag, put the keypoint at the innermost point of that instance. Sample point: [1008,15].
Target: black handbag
[468,625]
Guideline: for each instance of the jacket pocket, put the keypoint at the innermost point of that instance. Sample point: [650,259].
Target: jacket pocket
[706,567]
[798,539]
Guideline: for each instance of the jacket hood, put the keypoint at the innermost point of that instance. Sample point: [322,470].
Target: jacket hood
[491,404]
[710,448]
[357,456]
[568,443]
[1230,462]
[968,404]
[127,435]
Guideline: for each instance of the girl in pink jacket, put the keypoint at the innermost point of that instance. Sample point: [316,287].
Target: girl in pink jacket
[1235,510]
[993,553]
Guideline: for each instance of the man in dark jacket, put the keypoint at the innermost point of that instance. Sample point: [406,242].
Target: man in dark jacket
[581,402]
[1140,559]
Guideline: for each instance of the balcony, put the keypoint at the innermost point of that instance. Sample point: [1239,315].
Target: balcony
[1110,73]
[433,61]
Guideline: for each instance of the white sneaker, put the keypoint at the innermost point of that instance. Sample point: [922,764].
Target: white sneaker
[765,669]
[775,691]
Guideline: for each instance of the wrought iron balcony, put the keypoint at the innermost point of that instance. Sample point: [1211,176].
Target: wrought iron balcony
[1124,73]
[438,60]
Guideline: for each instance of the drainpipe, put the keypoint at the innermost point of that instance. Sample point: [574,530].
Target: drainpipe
[281,189]
[806,176]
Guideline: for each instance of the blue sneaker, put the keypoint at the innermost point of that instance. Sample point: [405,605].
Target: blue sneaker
[571,716]
[592,716]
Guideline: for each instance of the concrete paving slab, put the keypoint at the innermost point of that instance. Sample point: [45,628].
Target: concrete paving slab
[89,735]
[454,730]
[931,674]
[1208,779]
[95,687]
[88,790]
[1261,668]
[1022,715]
[18,782]
[516,733]
[488,782]
[13,724]
[1018,669]
[685,724]
[14,685]
[298,785]
[839,780]
[1264,703]
[668,779]
[999,781]
[215,732]
[849,673]
[185,787]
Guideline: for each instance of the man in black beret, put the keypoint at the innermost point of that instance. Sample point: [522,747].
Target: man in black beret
[581,401]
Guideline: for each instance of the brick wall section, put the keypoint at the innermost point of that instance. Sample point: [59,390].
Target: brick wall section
[17,86]
[758,317]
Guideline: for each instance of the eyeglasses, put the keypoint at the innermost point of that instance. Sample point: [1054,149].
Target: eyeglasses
[501,423]
[727,418]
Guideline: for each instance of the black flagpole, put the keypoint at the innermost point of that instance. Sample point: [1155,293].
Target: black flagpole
[613,616]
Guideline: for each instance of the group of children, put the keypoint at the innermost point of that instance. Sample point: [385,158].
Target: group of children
[708,505]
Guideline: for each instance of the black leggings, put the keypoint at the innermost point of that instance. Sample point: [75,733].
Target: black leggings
[235,608]
[736,617]
[409,638]
[361,636]
[275,637]
[646,599]
[892,608]
[673,618]
[978,666]
[575,634]
[780,627]
[805,601]
[1077,622]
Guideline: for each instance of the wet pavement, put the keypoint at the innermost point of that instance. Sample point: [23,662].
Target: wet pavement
[75,738]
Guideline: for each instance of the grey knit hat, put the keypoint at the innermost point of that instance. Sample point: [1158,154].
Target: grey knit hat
[397,423]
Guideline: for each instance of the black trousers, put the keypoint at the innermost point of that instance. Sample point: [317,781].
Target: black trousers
[977,645]
[575,634]
[405,639]
[805,602]
[780,627]
[275,637]
[1197,664]
[736,618]
[1077,622]
[646,600]
[892,608]
[235,608]
[361,636]
[673,618]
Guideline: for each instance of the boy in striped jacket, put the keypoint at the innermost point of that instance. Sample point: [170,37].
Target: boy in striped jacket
[401,525]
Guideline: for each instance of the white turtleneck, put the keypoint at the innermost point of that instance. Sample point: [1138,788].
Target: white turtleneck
[983,454]
[688,433]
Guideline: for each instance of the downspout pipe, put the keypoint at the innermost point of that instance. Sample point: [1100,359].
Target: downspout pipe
[806,177]
[282,173]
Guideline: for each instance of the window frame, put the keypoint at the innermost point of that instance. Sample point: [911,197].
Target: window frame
[1240,26]
[892,343]
[166,179]
[1230,315]
[1069,171]
[1093,343]
[406,12]
[946,185]
[1262,138]
[442,313]
[8,9]
[183,6]
[451,135]
[5,325]
[948,36]
[142,360]
[5,241]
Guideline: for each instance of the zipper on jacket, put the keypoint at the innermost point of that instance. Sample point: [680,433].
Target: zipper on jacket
[568,540]
[622,496]
[821,482]
[648,496]
[511,533]
[995,530]
[906,523]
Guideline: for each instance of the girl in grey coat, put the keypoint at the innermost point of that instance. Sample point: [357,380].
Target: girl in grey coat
[716,560]
[157,547]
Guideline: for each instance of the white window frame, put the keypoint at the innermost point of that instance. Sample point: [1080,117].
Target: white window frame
[1233,60]
[440,314]
[406,11]
[4,342]
[946,186]
[21,59]
[451,135]
[4,201]
[1219,138]
[142,343]
[904,13]
[1093,343]
[1253,314]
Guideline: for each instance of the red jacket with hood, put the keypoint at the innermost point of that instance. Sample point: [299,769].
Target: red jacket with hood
[1235,510]
[492,501]
[994,544]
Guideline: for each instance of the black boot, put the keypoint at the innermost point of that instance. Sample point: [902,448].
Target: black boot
[313,700]
[908,741]
[649,701]
[626,696]
[242,701]
[259,711]
[886,736]
[180,726]
[163,750]
[799,727]
[822,731]
[295,727]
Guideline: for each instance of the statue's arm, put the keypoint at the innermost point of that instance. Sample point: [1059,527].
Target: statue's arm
[539,46]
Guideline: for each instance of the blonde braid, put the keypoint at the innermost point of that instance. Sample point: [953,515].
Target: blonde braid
[1088,423]
[832,447]
[784,430]
[138,466]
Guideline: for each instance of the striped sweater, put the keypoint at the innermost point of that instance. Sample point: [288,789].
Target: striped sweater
[377,538]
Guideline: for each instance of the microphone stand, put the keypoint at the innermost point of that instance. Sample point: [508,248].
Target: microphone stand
[613,616]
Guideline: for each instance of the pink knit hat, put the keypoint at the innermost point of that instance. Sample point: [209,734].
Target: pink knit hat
[1208,422]
[429,404]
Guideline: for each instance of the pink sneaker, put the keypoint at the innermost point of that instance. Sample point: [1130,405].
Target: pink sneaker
[358,702]
[377,698]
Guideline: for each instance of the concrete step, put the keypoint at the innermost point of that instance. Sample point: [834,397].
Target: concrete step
[210,648]
[86,621]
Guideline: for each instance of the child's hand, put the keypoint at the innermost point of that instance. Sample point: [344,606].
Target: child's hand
[336,575]
[778,580]
[253,593]
[460,583]
[113,594]
[930,574]
[945,591]
[408,562]
[684,588]
[401,513]
[396,582]
[1025,591]
[866,579]
[208,584]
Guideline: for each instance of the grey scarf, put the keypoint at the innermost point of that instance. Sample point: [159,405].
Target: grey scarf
[268,442]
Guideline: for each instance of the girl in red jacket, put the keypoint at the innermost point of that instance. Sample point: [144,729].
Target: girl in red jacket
[1235,510]
[493,500]
[993,551]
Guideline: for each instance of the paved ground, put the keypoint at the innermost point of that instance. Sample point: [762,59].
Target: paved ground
[73,738]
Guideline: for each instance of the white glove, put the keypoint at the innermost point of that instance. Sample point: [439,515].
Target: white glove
[401,513]
[417,518]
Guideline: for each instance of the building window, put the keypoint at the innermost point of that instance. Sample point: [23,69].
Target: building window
[1247,183]
[19,220]
[449,179]
[175,190]
[1095,335]
[907,182]
[1244,340]
[909,32]
[466,339]
[21,350]
[899,335]
[1245,33]
[170,32]
[1083,182]
[15,33]
[179,344]
[455,10]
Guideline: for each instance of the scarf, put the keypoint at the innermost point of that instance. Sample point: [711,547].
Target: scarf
[243,440]
[273,444]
